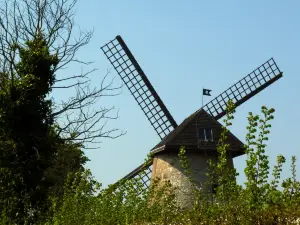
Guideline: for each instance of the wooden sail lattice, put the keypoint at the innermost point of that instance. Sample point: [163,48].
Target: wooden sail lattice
[140,87]
[145,95]
[142,174]
[156,112]
[244,89]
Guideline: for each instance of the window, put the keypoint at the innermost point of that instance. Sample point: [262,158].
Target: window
[208,134]
[201,134]
[205,134]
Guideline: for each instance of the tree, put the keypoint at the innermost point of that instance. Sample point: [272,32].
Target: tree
[36,150]
[24,20]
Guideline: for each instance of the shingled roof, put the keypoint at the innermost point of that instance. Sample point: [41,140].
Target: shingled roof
[168,141]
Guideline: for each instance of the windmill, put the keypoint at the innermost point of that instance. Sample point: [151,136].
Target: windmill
[199,132]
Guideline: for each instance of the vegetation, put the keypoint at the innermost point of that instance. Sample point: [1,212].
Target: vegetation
[42,175]
[37,148]
[260,201]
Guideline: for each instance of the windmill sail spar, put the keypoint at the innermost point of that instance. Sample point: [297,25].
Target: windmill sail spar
[140,87]
[244,89]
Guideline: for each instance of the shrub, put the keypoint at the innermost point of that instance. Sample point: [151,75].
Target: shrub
[260,201]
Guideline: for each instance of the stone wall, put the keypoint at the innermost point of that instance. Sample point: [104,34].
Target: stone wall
[166,166]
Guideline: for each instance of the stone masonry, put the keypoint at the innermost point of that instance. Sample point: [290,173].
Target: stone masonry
[166,166]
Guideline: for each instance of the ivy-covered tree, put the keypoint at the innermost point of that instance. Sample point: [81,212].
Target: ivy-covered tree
[37,150]
[30,142]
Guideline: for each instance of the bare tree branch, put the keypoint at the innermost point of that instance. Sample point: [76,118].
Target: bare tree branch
[23,20]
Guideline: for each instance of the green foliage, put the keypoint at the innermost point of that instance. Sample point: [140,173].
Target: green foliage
[221,172]
[257,169]
[260,201]
[185,163]
[42,179]
[28,145]
[84,202]
[34,160]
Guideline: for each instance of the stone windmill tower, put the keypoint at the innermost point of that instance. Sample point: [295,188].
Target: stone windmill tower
[199,132]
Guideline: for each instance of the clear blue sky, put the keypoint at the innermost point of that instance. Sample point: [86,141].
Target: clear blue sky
[182,46]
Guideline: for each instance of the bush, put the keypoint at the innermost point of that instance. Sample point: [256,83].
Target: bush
[259,202]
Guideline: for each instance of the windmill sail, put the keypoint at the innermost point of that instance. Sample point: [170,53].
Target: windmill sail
[244,89]
[142,90]
[140,87]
